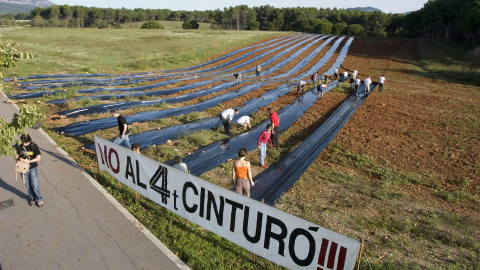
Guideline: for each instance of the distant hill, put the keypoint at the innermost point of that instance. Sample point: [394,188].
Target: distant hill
[365,9]
[21,6]
[14,8]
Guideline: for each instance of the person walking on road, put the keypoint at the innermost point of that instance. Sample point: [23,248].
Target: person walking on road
[275,122]
[258,69]
[244,121]
[301,86]
[29,152]
[238,77]
[226,117]
[367,82]
[381,81]
[123,129]
[242,174]
[357,86]
[262,144]
[335,74]
[314,78]
[345,75]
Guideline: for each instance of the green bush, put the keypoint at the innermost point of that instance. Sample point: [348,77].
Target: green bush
[190,24]
[152,25]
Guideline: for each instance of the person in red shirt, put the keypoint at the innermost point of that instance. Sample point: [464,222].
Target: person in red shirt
[262,144]
[275,120]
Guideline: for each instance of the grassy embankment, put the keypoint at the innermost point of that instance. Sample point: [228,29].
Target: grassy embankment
[81,52]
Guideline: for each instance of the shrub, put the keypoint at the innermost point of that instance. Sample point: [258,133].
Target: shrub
[152,25]
[190,24]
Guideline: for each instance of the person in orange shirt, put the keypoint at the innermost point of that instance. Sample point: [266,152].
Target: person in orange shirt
[241,174]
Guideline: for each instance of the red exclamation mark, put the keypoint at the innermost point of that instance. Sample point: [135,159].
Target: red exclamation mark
[331,255]
[341,258]
[322,254]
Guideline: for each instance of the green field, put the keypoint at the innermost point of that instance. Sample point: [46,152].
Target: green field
[67,50]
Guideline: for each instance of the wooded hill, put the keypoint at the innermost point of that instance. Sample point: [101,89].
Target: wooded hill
[447,20]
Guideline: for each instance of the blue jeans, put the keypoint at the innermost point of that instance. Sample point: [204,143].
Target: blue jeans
[263,153]
[32,185]
[125,140]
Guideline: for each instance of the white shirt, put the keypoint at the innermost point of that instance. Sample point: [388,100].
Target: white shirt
[336,71]
[228,114]
[367,81]
[243,120]
[345,74]
[302,83]
[181,166]
[355,71]
[357,81]
[381,79]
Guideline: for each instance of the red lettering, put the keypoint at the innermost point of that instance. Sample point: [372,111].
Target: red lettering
[116,169]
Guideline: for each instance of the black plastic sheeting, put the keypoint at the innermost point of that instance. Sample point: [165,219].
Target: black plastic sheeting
[69,76]
[110,89]
[154,137]
[50,84]
[139,92]
[276,180]
[157,137]
[138,88]
[292,44]
[102,108]
[213,155]
[80,128]
[232,53]
[248,54]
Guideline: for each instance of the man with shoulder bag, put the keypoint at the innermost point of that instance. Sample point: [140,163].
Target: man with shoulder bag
[29,152]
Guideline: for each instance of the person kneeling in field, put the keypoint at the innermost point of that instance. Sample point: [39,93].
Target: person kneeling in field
[244,121]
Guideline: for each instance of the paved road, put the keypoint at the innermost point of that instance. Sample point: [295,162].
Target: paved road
[80,226]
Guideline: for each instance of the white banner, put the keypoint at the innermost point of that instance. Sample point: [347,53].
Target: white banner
[266,231]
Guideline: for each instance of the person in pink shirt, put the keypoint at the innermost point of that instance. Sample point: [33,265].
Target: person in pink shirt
[262,144]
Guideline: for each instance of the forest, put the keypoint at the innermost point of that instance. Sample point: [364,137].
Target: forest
[446,20]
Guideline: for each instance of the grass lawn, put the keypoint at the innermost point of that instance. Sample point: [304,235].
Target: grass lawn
[69,50]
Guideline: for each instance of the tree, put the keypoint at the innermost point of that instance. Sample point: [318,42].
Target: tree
[473,59]
[338,28]
[152,25]
[190,24]
[29,115]
[355,30]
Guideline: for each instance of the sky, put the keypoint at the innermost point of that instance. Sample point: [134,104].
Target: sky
[388,6]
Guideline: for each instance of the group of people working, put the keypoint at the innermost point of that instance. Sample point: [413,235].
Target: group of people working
[241,172]
[354,82]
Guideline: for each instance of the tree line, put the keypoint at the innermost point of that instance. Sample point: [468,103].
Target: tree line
[447,20]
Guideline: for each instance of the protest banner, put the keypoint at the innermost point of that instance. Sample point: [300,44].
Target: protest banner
[264,230]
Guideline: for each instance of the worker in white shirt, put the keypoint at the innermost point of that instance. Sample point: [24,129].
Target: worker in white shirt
[244,121]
